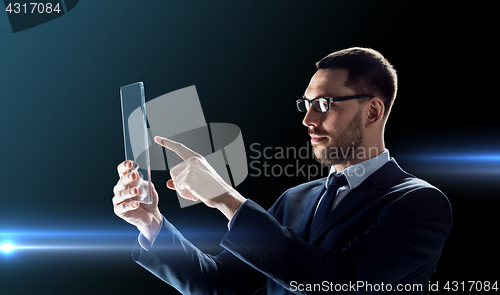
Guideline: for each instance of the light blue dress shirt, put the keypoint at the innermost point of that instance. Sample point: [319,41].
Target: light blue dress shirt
[355,175]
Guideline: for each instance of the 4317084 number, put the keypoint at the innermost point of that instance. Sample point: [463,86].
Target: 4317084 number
[33,8]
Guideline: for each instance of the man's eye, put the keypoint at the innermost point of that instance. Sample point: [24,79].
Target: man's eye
[323,104]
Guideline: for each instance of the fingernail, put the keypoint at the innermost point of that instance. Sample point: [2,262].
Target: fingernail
[128,164]
[134,191]
[131,175]
[135,204]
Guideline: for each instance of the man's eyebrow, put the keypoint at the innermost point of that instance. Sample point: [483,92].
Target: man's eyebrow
[324,95]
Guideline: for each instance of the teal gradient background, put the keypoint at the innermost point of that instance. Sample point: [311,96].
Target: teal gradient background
[61,128]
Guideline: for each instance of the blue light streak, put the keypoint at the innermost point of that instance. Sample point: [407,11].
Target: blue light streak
[8,248]
[489,158]
[65,240]
[79,240]
[468,169]
[75,233]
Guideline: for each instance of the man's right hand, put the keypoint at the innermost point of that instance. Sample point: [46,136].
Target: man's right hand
[146,217]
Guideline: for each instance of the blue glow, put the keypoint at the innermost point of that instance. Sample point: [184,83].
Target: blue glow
[491,158]
[66,240]
[77,240]
[86,234]
[76,233]
[458,169]
[7,247]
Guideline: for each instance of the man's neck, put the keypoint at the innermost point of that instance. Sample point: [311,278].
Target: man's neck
[360,155]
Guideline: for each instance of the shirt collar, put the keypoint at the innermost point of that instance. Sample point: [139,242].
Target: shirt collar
[357,173]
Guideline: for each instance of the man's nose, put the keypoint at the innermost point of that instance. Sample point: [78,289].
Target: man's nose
[312,118]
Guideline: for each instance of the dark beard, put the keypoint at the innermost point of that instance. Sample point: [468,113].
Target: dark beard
[343,148]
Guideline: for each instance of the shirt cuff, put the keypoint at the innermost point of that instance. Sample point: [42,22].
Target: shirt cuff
[230,223]
[144,243]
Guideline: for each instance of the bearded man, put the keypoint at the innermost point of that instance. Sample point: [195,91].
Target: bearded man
[369,227]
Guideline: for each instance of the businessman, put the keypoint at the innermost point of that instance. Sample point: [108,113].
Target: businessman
[369,227]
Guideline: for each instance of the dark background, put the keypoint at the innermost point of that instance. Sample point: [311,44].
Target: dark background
[61,127]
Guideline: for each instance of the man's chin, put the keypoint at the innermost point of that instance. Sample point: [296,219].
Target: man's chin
[326,154]
[321,155]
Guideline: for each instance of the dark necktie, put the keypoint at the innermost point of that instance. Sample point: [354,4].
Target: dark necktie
[326,202]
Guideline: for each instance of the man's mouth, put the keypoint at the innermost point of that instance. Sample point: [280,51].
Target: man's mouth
[316,138]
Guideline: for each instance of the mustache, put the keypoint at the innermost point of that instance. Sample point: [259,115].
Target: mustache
[317,132]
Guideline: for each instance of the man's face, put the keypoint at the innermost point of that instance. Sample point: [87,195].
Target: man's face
[336,134]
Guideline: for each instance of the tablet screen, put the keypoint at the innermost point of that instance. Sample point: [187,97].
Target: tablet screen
[135,135]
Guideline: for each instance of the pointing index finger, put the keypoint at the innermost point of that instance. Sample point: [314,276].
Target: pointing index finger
[177,147]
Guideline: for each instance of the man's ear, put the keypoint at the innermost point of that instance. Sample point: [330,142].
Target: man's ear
[376,110]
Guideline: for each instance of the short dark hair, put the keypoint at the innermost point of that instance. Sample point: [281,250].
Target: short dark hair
[369,73]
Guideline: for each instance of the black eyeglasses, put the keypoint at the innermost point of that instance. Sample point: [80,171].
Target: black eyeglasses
[321,104]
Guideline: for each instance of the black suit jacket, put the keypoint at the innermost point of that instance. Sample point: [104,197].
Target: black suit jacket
[388,231]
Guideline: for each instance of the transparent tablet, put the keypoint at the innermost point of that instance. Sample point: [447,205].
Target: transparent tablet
[135,134]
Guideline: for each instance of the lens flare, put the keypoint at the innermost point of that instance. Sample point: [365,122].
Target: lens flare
[82,240]
[7,247]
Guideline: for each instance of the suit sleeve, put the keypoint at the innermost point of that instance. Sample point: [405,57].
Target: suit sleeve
[405,236]
[179,263]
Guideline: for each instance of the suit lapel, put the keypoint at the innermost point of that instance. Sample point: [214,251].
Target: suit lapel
[310,206]
[379,180]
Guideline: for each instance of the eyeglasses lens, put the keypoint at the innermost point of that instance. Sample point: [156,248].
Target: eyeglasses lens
[319,105]
[303,105]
